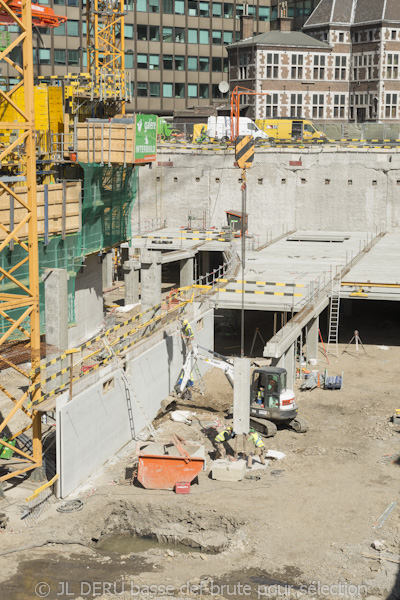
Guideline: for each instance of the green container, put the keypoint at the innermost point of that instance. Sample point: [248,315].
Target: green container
[4,451]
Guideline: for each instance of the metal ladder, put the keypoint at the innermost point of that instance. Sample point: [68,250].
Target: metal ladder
[120,366]
[333,336]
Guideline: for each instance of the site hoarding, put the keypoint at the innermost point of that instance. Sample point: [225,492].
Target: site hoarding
[145,138]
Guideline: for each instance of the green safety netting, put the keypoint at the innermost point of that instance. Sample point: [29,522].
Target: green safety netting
[109,194]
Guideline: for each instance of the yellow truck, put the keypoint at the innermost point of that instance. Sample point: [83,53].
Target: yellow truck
[290,129]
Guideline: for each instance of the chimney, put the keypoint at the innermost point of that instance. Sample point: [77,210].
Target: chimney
[246,24]
[283,22]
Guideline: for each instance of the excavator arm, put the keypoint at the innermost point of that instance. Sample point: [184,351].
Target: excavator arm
[217,360]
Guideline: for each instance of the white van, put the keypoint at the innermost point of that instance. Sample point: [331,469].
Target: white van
[219,128]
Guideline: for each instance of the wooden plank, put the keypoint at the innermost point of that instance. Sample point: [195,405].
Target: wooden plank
[72,219]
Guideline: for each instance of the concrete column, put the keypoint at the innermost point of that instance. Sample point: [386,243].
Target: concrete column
[287,361]
[150,276]
[2,496]
[186,272]
[131,279]
[241,396]
[56,307]
[312,338]
[108,270]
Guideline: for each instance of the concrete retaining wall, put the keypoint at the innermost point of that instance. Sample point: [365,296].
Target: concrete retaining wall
[324,190]
[96,423]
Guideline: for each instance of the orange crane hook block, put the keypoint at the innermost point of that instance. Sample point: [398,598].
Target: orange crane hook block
[42,16]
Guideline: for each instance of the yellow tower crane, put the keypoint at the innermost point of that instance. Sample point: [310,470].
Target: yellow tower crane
[19,297]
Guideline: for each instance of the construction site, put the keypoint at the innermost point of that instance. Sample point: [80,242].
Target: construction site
[199,347]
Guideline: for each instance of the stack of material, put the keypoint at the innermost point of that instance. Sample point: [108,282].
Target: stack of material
[315,380]
[103,142]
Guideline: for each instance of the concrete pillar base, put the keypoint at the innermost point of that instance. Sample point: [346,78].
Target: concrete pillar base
[224,470]
[186,272]
[38,475]
[56,307]
[108,270]
[131,279]
[241,396]
[150,275]
[312,328]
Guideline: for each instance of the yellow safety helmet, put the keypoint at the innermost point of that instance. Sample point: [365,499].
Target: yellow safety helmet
[185,322]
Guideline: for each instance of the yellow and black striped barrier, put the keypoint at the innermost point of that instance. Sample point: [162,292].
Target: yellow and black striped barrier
[260,292]
[251,282]
[190,238]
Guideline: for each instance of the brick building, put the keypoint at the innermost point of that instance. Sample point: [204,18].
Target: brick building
[345,64]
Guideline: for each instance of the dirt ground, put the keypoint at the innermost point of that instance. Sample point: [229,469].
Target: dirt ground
[302,527]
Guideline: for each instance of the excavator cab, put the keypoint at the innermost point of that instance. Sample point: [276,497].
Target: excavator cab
[271,402]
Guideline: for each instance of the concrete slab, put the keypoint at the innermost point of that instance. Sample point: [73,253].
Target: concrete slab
[226,470]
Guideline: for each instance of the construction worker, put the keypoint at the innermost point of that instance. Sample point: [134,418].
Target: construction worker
[259,448]
[220,439]
[187,330]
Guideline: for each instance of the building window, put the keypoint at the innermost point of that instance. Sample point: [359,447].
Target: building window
[339,106]
[179,35]
[341,37]
[192,36]
[128,61]
[297,66]
[225,63]
[272,65]
[142,32]
[167,62]
[192,8]
[204,9]
[60,30]
[204,64]
[44,56]
[168,7]
[154,61]
[59,57]
[128,32]
[179,90]
[228,11]
[390,108]
[141,6]
[192,63]
[272,106]
[217,37]
[394,34]
[179,63]
[370,35]
[204,36]
[216,64]
[154,6]
[154,33]
[215,91]
[296,105]
[319,66]
[142,61]
[179,7]
[73,58]
[228,37]
[154,89]
[73,28]
[192,90]
[340,67]
[204,90]
[167,34]
[318,106]
[263,13]
[142,89]
[392,71]
[167,90]
[217,9]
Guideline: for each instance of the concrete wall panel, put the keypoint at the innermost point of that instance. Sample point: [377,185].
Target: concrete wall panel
[95,424]
[88,301]
[325,190]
